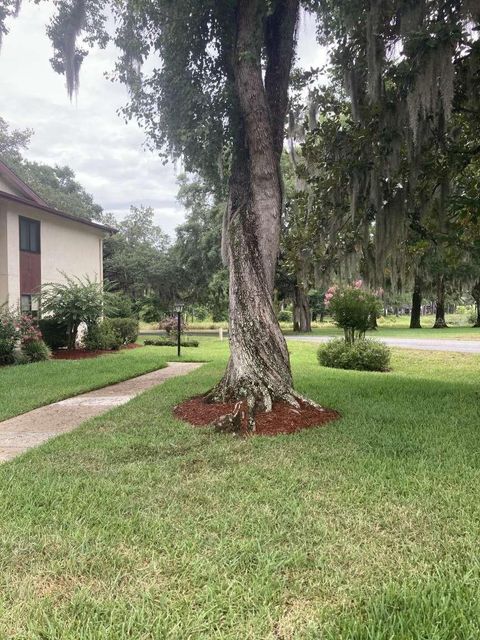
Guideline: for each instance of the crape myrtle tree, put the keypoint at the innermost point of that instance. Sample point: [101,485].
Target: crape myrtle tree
[216,95]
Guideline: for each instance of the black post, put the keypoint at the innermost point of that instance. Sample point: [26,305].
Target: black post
[178,333]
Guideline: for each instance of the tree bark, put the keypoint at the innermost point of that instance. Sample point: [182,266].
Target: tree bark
[476,297]
[416,311]
[302,320]
[440,322]
[258,371]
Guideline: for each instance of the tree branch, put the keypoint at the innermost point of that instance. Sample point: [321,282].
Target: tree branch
[280,44]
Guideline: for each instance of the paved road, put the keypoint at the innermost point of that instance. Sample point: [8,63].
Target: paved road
[460,346]
[425,344]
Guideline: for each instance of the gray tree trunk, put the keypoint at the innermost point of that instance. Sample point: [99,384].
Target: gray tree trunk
[259,367]
[440,322]
[302,321]
[416,312]
[476,297]
[302,317]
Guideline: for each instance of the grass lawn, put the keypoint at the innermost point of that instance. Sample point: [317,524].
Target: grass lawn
[389,327]
[139,526]
[392,327]
[23,388]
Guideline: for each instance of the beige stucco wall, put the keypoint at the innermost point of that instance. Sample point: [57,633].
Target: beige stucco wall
[67,247]
[9,257]
[3,258]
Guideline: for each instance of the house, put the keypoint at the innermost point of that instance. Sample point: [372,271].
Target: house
[39,244]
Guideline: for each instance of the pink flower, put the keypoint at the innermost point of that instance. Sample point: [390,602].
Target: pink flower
[358,284]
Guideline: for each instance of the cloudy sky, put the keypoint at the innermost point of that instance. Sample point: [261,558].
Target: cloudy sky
[108,156]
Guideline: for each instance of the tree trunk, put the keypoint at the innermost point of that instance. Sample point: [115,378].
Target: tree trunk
[440,322]
[301,310]
[302,319]
[416,312]
[476,297]
[258,371]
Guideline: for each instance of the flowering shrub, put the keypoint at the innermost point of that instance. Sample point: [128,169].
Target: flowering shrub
[28,329]
[169,325]
[353,308]
[9,335]
[20,331]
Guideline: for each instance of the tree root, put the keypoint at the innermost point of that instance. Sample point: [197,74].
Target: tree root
[242,419]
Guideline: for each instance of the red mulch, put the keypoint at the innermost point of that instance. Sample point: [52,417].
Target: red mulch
[81,354]
[283,418]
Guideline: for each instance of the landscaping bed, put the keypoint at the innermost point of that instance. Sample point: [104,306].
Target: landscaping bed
[282,420]
[81,354]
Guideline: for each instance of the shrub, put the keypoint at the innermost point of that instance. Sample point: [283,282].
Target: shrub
[74,302]
[285,316]
[472,317]
[102,337]
[127,328]
[35,351]
[19,357]
[166,342]
[54,332]
[353,309]
[20,339]
[9,335]
[120,305]
[170,325]
[32,345]
[363,355]
[200,313]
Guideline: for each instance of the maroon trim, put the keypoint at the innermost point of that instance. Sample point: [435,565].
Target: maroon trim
[55,212]
[30,272]
[20,184]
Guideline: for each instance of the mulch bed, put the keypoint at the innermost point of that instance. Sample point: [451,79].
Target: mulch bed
[283,419]
[82,354]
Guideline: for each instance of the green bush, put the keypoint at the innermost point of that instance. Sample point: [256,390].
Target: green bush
[120,305]
[127,328]
[165,342]
[353,309]
[102,337]
[9,335]
[35,351]
[73,302]
[362,355]
[285,316]
[472,317]
[54,332]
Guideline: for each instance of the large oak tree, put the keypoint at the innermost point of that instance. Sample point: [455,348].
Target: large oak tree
[209,82]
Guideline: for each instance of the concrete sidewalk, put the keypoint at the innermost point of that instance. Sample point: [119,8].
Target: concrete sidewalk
[28,430]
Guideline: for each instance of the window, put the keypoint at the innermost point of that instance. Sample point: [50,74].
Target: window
[29,235]
[25,303]
[29,304]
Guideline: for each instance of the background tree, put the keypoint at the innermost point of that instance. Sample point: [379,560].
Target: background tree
[196,250]
[138,263]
